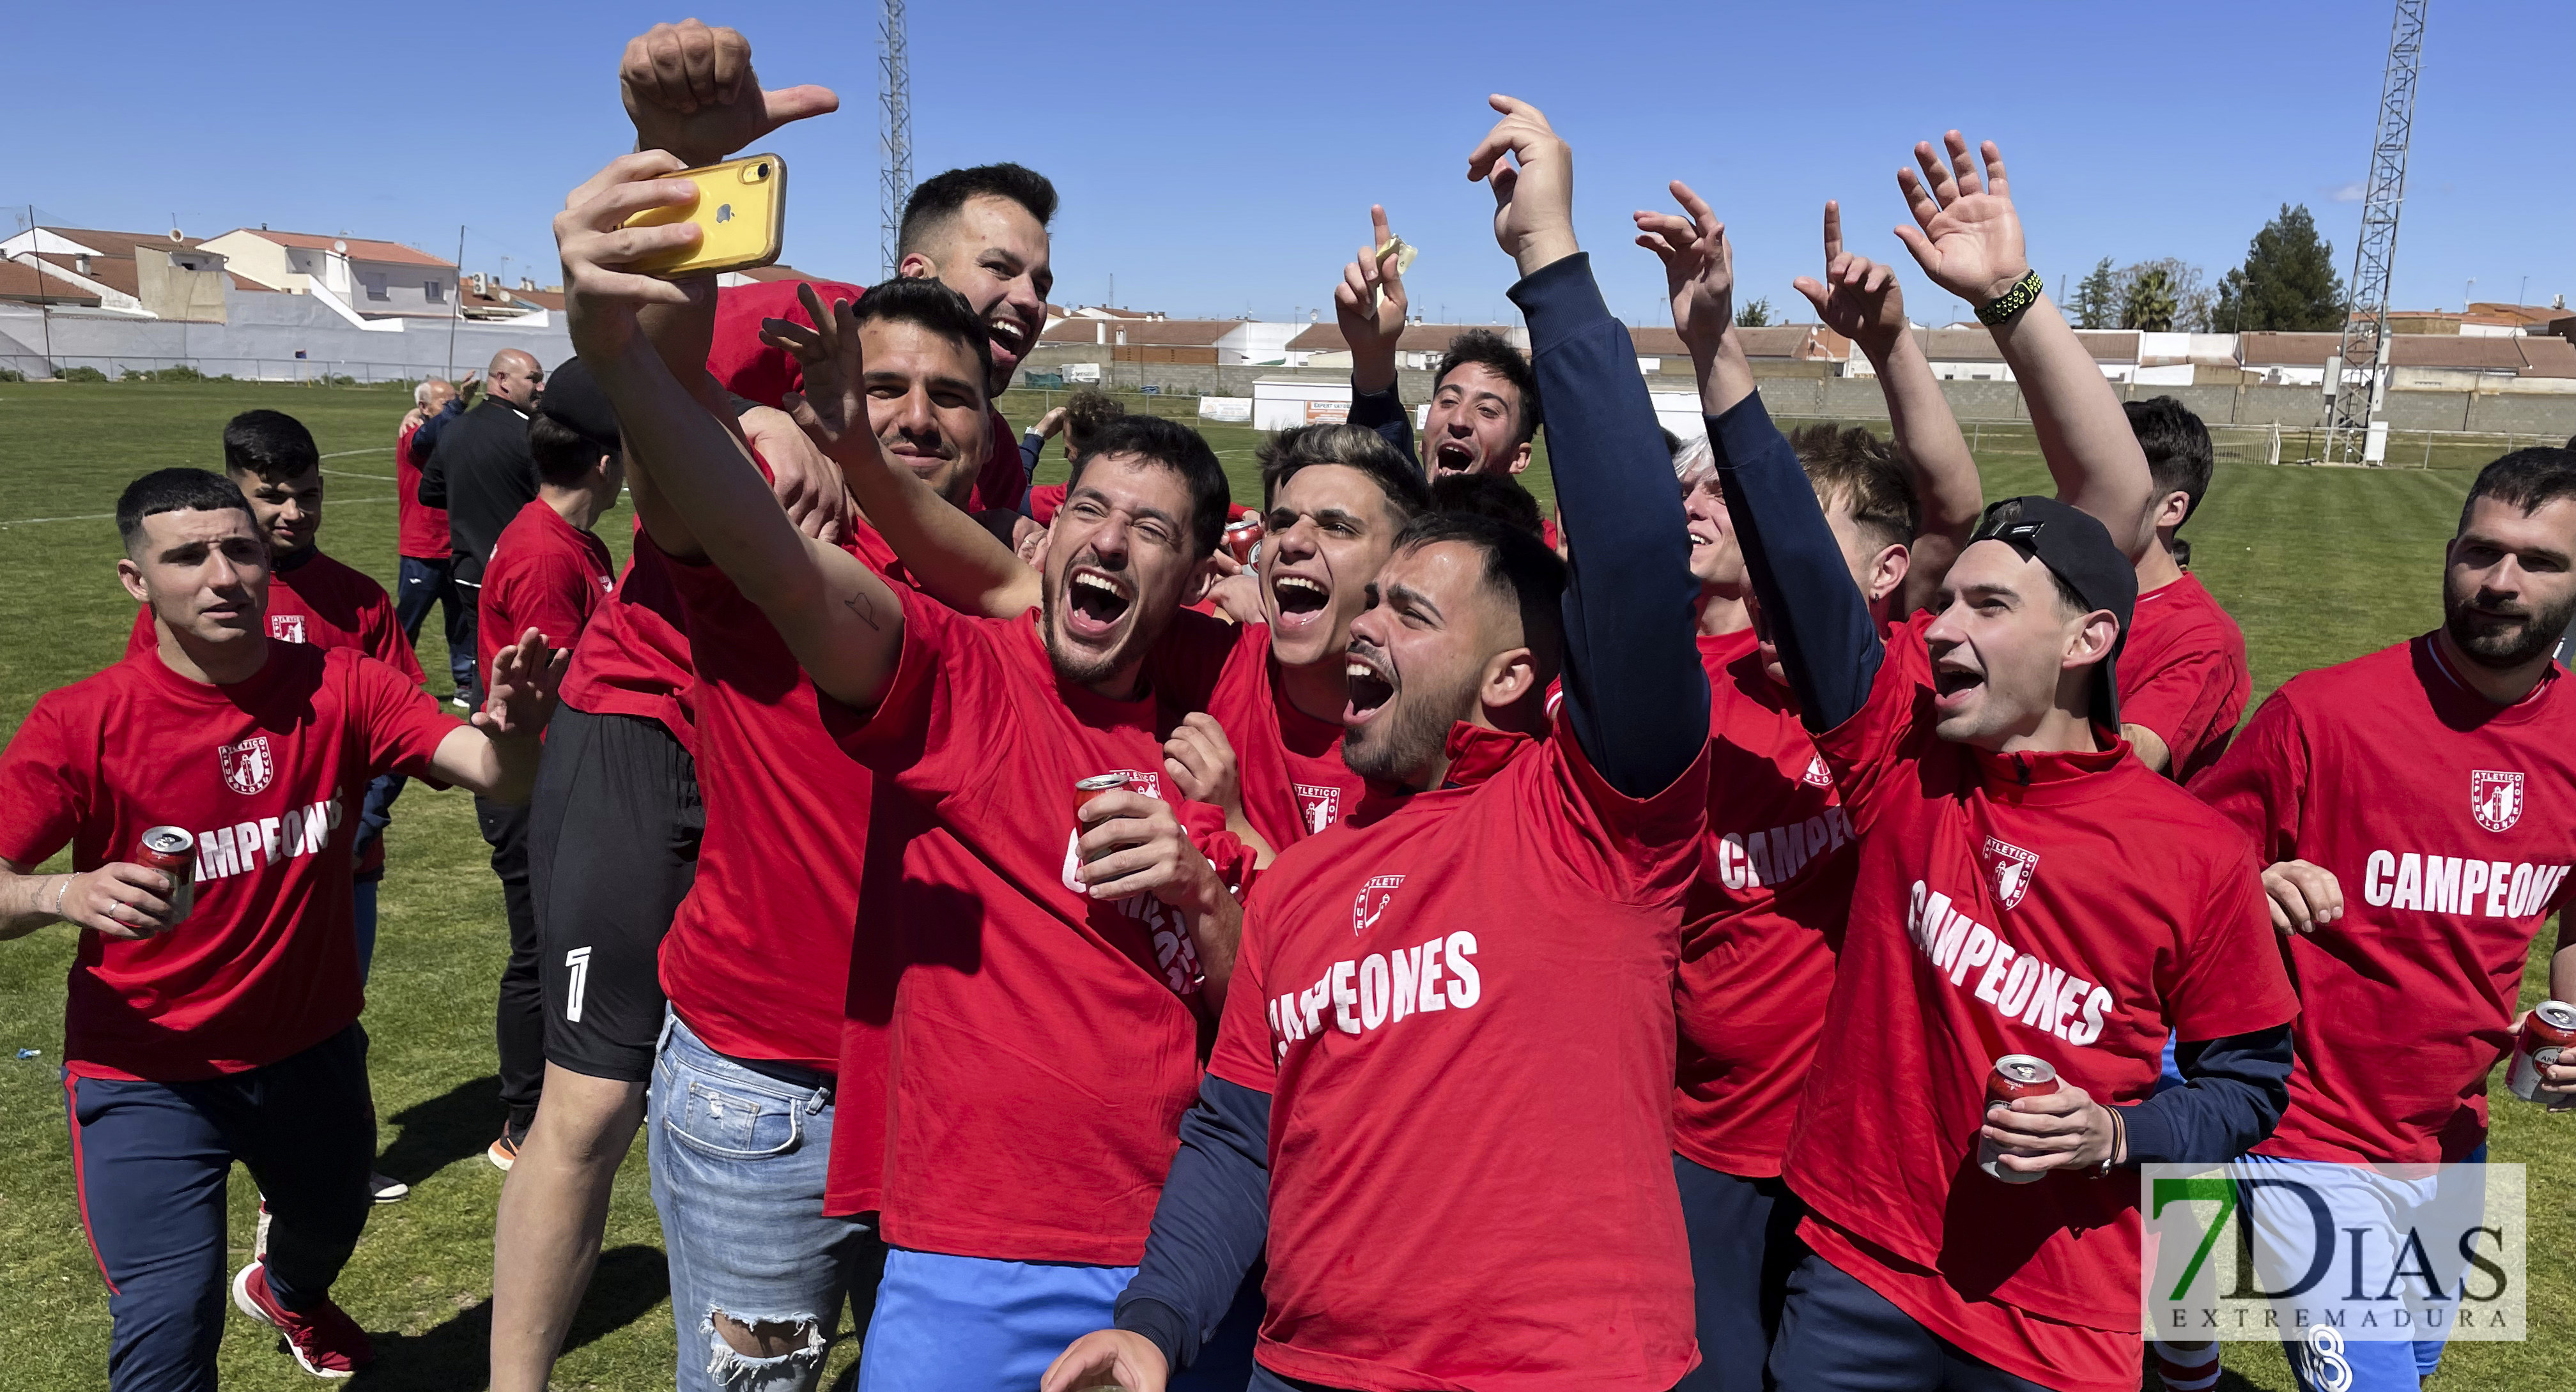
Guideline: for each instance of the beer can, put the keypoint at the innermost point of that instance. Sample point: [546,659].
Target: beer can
[1085,789]
[1243,538]
[173,852]
[2016,1076]
[2548,1031]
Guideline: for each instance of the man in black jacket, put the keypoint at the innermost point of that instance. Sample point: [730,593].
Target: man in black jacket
[477,467]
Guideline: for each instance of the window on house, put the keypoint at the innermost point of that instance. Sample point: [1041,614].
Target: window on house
[434,291]
[375,283]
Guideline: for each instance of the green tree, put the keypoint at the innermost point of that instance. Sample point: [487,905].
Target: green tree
[1756,315]
[2151,302]
[2288,281]
[2097,303]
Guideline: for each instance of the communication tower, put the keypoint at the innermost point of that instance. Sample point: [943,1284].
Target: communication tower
[895,122]
[2357,377]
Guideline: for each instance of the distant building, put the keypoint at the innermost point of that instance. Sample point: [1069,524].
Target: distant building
[366,278]
[1209,342]
[1418,349]
[170,276]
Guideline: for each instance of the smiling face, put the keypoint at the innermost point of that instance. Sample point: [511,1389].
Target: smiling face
[2007,649]
[1716,560]
[288,510]
[1434,644]
[993,252]
[204,572]
[1118,558]
[926,404]
[1473,424]
[1329,529]
[2509,582]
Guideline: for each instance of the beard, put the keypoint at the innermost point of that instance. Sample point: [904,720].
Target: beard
[1402,744]
[2518,635]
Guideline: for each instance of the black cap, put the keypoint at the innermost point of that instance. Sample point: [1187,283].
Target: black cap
[574,401]
[2077,549]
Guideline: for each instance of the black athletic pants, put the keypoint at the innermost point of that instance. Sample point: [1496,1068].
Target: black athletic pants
[1838,1335]
[520,1021]
[1743,1244]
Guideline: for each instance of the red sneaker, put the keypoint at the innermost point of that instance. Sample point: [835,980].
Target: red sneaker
[324,1339]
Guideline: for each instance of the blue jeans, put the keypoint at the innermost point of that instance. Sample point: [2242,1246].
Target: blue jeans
[739,1158]
[976,1324]
[422,583]
[2284,1233]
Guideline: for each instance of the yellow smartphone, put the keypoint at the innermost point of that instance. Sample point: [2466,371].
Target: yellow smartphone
[741,214]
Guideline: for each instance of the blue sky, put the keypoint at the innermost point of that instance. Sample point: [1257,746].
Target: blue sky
[1220,158]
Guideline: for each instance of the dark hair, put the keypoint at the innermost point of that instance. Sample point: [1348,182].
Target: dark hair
[1518,568]
[1490,349]
[1086,412]
[269,444]
[563,455]
[177,490]
[2177,446]
[936,199]
[2527,479]
[1489,495]
[1284,455]
[933,306]
[1852,466]
[1176,447]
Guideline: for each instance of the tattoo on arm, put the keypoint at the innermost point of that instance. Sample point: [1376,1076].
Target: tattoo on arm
[865,609]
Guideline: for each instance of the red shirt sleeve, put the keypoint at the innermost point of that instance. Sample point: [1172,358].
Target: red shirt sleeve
[1637,850]
[2233,979]
[945,711]
[380,628]
[43,786]
[2180,702]
[144,638]
[2261,783]
[399,725]
[1244,1054]
[1888,732]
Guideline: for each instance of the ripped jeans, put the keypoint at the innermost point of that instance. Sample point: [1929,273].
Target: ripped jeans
[739,1158]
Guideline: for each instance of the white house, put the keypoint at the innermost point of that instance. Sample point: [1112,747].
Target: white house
[363,278]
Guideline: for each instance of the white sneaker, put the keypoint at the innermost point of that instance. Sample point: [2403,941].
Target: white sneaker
[386,1188]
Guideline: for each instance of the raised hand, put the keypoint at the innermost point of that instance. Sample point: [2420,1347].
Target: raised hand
[833,408]
[1534,191]
[1858,297]
[803,481]
[1699,268]
[690,90]
[1967,236]
[1202,765]
[600,296]
[521,688]
[1370,300]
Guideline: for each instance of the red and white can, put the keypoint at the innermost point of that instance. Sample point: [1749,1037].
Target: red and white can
[2016,1076]
[1243,539]
[1085,789]
[173,852]
[2547,1032]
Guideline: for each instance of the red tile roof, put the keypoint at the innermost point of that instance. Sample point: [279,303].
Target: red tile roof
[359,248]
[119,243]
[115,272]
[20,281]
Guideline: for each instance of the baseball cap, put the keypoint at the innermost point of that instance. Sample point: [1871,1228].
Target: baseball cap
[2077,549]
[575,401]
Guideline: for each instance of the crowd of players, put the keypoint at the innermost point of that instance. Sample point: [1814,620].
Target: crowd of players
[1459,950]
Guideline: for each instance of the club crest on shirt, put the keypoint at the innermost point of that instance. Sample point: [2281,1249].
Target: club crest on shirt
[2012,868]
[1321,807]
[1817,775]
[2495,798]
[1374,899]
[248,766]
[286,628]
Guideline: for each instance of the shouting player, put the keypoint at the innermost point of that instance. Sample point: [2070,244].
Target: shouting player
[212,1011]
[1457,1004]
[2025,887]
[2416,809]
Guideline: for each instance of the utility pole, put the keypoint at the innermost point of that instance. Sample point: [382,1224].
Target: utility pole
[2358,378]
[895,132]
[44,308]
[456,302]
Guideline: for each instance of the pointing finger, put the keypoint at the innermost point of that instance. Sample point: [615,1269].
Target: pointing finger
[1833,230]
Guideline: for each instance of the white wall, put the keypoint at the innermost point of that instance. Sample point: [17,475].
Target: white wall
[1279,405]
[265,331]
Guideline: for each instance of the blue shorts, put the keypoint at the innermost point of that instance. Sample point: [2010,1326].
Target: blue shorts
[2326,1360]
[976,1324]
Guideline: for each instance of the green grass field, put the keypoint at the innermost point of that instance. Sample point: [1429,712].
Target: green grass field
[2318,565]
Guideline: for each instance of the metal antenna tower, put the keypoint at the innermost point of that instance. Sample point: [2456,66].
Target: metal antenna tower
[895,119]
[2358,379]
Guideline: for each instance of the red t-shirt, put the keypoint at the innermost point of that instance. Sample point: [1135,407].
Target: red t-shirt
[1460,1005]
[754,371]
[2451,825]
[1289,764]
[1044,1045]
[2072,906]
[633,658]
[316,600]
[2182,674]
[269,774]
[758,961]
[422,532]
[1763,919]
[544,574]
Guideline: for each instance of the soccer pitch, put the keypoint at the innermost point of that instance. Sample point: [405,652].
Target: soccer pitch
[2318,565]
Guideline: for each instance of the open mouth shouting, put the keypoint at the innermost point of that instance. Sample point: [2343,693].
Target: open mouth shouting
[1299,602]
[1372,685]
[1954,684]
[1453,457]
[1095,603]
[1010,339]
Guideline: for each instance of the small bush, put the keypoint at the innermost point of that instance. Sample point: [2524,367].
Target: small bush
[11,374]
[179,373]
[83,374]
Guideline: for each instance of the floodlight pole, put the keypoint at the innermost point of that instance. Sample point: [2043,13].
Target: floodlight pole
[895,132]
[2356,401]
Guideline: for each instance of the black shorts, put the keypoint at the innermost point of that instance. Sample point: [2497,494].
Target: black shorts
[613,846]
